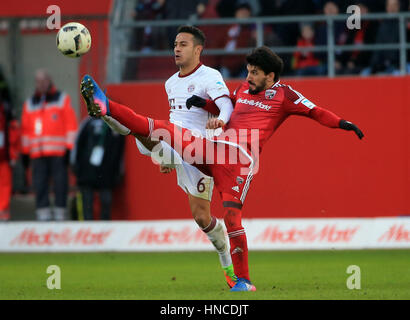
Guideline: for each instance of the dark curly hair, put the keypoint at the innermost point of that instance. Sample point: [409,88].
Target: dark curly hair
[266,60]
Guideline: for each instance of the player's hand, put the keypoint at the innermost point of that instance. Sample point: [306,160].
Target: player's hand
[196,102]
[347,125]
[164,169]
[214,123]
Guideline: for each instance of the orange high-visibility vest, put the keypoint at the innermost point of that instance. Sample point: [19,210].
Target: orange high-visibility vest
[48,126]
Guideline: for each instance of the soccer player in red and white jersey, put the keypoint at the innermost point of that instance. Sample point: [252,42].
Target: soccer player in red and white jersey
[262,103]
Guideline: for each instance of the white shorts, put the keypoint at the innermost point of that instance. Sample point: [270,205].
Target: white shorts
[189,178]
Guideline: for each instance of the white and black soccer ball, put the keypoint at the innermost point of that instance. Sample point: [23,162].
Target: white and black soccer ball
[73,40]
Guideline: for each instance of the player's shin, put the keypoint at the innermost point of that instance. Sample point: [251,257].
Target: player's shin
[237,235]
[116,125]
[215,233]
[135,122]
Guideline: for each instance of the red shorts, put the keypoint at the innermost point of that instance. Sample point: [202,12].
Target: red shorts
[228,163]
[233,178]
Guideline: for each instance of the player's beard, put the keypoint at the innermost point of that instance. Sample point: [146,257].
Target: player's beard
[258,88]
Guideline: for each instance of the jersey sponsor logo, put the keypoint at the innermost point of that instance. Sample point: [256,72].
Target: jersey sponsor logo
[191,88]
[269,94]
[254,103]
[308,103]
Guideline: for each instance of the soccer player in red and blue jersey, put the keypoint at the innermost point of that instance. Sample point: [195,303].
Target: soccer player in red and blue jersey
[261,104]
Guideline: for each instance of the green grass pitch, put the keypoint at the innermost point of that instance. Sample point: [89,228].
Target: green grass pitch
[385,274]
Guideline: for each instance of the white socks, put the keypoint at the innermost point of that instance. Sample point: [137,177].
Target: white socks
[217,236]
[116,125]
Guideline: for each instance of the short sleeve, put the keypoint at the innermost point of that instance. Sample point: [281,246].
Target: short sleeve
[215,86]
[295,103]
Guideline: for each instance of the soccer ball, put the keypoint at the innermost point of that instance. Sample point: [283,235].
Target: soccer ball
[73,40]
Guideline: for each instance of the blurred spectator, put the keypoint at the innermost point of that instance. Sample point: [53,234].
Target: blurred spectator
[49,126]
[387,61]
[148,38]
[237,36]
[9,148]
[289,32]
[181,9]
[96,160]
[341,4]
[285,34]
[305,62]
[227,8]
[340,33]
[270,8]
[355,61]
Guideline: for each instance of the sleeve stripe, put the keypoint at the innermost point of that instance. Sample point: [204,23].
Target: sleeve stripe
[298,94]
[224,95]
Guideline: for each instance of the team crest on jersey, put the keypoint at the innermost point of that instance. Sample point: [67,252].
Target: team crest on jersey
[269,94]
[239,180]
[191,88]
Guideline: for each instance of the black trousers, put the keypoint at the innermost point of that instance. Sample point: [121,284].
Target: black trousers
[105,196]
[45,170]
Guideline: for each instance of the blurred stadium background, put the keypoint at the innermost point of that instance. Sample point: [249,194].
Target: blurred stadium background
[316,188]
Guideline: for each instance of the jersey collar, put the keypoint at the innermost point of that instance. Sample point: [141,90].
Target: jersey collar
[188,74]
[275,84]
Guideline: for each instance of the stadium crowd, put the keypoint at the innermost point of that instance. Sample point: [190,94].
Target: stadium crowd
[300,35]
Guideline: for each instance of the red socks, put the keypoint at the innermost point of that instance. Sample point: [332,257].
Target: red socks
[136,123]
[236,234]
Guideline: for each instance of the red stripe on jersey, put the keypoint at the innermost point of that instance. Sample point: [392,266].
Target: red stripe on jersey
[188,74]
[224,95]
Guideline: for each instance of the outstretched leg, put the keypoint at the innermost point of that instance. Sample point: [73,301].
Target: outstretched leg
[143,127]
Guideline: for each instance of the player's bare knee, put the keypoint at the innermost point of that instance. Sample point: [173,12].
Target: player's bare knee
[200,209]
[201,215]
[147,142]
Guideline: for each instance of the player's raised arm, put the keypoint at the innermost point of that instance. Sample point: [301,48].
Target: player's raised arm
[221,107]
[295,103]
